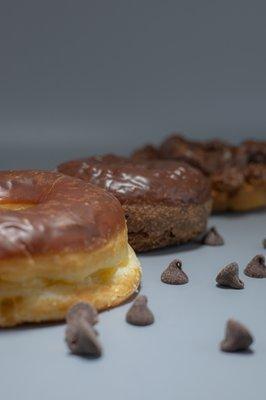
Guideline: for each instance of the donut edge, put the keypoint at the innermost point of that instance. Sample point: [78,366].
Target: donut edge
[247,198]
[51,307]
[153,226]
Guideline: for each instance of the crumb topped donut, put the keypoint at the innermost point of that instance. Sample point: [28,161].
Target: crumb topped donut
[164,202]
[209,156]
[237,173]
[247,173]
[61,241]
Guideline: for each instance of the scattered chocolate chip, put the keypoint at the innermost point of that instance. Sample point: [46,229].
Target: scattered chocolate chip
[139,313]
[256,268]
[229,277]
[82,339]
[264,243]
[174,275]
[82,310]
[212,238]
[237,337]
[80,335]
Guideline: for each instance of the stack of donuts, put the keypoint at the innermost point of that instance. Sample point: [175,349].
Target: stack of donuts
[71,235]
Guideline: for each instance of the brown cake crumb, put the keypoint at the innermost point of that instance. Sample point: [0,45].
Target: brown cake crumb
[139,313]
[256,268]
[229,179]
[81,337]
[229,277]
[174,275]
[237,337]
[212,238]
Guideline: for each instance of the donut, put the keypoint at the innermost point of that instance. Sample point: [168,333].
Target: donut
[237,173]
[164,202]
[62,241]
[209,156]
[239,189]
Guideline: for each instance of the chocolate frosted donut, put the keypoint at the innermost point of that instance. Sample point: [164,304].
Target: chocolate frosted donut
[237,173]
[61,241]
[164,202]
[209,156]
[240,185]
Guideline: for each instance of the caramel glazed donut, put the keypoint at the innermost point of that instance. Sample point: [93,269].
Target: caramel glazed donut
[164,202]
[61,241]
[237,173]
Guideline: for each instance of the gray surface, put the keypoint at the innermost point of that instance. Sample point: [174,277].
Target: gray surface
[82,77]
[177,357]
[97,75]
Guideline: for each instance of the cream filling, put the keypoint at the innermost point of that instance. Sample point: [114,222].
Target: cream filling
[50,287]
[104,289]
[24,276]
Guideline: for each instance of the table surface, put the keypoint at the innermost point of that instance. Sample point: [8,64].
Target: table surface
[176,358]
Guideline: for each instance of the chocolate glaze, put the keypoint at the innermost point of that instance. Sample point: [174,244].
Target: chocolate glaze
[147,152]
[229,167]
[251,151]
[209,156]
[229,179]
[149,181]
[67,214]
[255,172]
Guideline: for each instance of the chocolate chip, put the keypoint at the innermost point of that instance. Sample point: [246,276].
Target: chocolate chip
[212,238]
[80,336]
[82,310]
[229,277]
[139,313]
[237,337]
[256,268]
[264,243]
[174,275]
[82,339]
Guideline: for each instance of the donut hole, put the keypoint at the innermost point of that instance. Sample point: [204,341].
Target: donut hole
[16,206]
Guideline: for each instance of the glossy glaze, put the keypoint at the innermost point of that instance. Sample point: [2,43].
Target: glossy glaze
[66,214]
[167,182]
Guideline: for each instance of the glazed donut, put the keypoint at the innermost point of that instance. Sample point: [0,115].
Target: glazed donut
[237,173]
[61,241]
[164,202]
[209,156]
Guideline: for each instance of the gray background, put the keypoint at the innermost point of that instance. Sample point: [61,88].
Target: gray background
[82,77]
